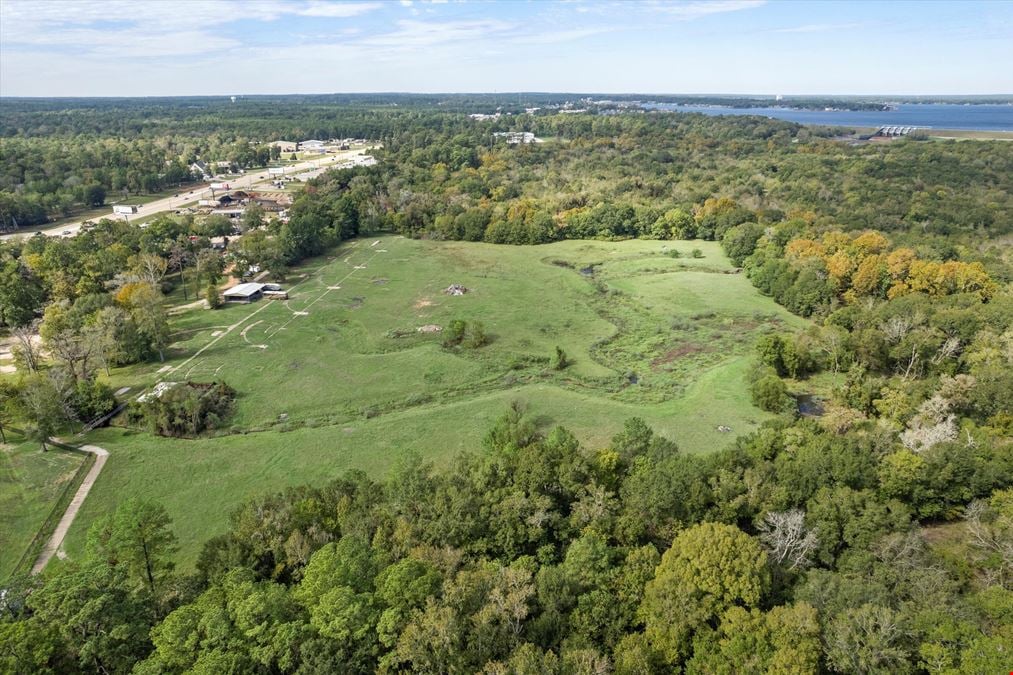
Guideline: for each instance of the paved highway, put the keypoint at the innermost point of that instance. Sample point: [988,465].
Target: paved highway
[248,180]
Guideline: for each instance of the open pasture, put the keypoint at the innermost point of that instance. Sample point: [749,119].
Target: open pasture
[340,377]
[31,483]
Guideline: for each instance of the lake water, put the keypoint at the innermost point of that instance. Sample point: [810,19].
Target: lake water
[985,117]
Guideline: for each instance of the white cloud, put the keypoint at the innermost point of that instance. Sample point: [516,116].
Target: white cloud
[554,37]
[124,44]
[818,27]
[693,9]
[337,10]
[412,33]
[148,29]
[21,17]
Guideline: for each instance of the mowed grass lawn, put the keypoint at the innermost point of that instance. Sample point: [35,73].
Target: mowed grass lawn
[31,482]
[338,377]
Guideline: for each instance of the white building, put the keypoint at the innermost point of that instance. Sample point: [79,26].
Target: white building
[517,137]
[200,168]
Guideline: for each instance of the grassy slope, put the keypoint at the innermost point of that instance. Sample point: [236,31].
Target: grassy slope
[684,329]
[30,483]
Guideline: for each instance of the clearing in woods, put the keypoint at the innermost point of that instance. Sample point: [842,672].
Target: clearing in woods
[340,376]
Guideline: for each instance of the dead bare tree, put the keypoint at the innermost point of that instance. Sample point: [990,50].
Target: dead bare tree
[991,535]
[897,327]
[912,362]
[948,350]
[831,341]
[935,423]
[787,540]
[151,268]
[73,351]
[904,550]
[28,347]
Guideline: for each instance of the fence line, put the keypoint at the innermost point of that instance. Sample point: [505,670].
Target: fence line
[45,531]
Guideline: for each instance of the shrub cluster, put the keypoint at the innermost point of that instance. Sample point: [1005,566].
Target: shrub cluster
[186,410]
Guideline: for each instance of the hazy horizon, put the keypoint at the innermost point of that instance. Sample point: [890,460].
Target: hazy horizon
[688,94]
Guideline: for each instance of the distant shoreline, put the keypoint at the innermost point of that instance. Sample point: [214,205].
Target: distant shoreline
[933,118]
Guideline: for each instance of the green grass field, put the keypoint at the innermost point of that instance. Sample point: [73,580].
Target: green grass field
[338,377]
[31,482]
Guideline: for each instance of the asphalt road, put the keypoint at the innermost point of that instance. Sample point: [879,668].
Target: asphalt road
[248,180]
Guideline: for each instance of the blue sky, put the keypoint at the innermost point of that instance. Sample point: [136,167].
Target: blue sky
[191,47]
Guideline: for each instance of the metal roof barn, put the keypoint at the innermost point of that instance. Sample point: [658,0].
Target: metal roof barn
[244,293]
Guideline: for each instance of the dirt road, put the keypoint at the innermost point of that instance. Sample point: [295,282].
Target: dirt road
[54,543]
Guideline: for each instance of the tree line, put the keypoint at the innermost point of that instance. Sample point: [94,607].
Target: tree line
[796,550]
[50,177]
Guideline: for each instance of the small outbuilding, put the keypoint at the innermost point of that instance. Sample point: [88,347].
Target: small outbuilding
[275,292]
[244,293]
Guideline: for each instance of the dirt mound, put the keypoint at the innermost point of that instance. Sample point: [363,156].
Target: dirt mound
[455,289]
[429,328]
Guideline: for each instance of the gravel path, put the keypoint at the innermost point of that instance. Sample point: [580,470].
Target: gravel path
[54,543]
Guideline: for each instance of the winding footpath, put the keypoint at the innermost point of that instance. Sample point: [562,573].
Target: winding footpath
[55,541]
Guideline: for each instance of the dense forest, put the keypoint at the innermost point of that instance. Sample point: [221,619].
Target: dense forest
[60,155]
[875,537]
[798,549]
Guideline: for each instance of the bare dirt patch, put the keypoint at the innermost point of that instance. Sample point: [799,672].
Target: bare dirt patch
[429,328]
[422,303]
